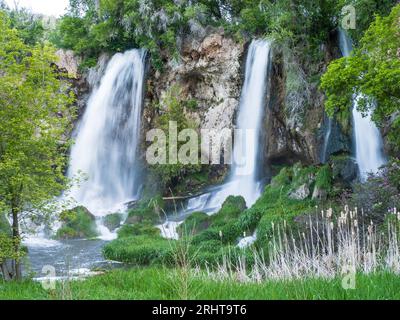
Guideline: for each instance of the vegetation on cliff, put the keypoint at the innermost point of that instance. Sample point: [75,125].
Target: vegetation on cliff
[285,225]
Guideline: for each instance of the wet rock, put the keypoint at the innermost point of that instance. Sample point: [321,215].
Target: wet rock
[344,169]
[77,223]
[300,193]
[112,221]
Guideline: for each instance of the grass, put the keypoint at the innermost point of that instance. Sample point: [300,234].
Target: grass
[162,283]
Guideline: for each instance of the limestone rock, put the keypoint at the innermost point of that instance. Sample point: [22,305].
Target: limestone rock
[319,194]
[209,72]
[68,62]
[300,193]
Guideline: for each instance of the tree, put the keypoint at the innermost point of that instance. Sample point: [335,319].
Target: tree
[372,73]
[34,115]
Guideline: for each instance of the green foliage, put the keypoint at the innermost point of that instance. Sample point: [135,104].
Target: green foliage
[372,73]
[380,194]
[139,250]
[366,11]
[230,210]
[162,284]
[77,223]
[34,115]
[147,210]
[115,26]
[174,109]
[195,223]
[29,26]
[130,230]
[112,221]
[323,179]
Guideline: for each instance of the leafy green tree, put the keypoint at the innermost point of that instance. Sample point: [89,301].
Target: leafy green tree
[34,116]
[366,11]
[372,73]
[30,26]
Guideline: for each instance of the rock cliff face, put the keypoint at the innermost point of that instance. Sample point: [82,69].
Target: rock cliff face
[295,122]
[209,72]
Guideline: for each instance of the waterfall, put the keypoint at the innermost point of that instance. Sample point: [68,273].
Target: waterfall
[107,138]
[243,179]
[368,140]
[327,139]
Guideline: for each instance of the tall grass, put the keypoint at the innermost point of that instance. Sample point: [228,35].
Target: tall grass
[331,247]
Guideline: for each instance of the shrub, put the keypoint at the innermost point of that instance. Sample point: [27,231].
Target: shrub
[249,219]
[324,178]
[380,193]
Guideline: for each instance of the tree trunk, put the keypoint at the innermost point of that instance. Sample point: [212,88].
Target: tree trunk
[7,270]
[15,209]
[16,236]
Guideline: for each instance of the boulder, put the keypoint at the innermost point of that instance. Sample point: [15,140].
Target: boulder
[300,193]
[112,221]
[344,169]
[77,223]
[68,62]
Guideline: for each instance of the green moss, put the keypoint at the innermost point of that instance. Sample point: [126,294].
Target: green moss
[147,211]
[303,175]
[230,210]
[324,178]
[112,221]
[130,230]
[77,223]
[283,178]
[195,223]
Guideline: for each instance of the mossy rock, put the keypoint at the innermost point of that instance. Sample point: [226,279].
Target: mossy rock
[77,223]
[194,224]
[283,178]
[112,221]
[147,211]
[232,207]
[344,169]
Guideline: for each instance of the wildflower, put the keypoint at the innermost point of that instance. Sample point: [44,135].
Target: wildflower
[220,233]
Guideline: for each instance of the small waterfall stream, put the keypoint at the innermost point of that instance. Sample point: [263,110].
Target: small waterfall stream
[368,140]
[243,179]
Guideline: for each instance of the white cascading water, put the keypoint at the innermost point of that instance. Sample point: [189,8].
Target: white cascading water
[368,140]
[243,177]
[327,138]
[107,139]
